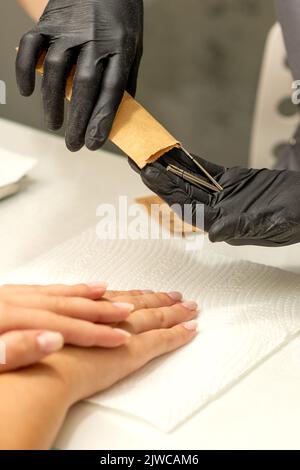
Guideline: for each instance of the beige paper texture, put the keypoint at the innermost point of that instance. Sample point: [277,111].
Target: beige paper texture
[166,217]
[134,131]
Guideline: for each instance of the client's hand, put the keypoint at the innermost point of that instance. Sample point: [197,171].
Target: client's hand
[50,388]
[160,326]
[36,321]
[256,207]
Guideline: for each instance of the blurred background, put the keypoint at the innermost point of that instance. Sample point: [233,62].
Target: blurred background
[199,73]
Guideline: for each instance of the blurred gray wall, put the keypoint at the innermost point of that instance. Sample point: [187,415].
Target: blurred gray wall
[199,74]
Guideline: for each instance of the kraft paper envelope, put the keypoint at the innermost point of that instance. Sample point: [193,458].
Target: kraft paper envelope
[134,131]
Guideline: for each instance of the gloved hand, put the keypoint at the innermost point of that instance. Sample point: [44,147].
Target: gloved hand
[256,207]
[105,38]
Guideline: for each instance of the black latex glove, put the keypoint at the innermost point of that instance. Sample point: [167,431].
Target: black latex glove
[105,38]
[256,207]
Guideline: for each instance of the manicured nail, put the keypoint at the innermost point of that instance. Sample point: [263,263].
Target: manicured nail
[50,342]
[191,325]
[124,306]
[175,296]
[97,285]
[190,305]
[122,332]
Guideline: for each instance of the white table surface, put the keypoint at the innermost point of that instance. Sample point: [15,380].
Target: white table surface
[58,202]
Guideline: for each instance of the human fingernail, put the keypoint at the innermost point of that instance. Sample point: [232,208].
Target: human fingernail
[191,325]
[122,332]
[190,305]
[97,285]
[175,296]
[50,342]
[124,306]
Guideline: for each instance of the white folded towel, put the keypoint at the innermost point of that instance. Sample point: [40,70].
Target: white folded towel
[248,311]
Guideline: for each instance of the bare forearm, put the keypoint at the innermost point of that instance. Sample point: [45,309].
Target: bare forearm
[33,405]
[34,401]
[34,8]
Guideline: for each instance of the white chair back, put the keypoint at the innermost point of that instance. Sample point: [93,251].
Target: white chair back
[275,117]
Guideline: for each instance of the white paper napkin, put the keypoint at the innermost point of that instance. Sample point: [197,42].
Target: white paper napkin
[13,168]
[248,311]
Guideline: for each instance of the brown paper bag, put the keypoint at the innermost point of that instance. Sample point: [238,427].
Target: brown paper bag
[134,131]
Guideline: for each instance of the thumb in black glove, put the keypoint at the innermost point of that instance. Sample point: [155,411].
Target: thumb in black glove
[256,207]
[105,39]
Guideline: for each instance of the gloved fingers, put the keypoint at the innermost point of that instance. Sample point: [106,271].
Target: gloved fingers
[262,242]
[86,88]
[133,75]
[30,48]
[194,192]
[252,229]
[57,66]
[234,227]
[170,186]
[223,229]
[177,156]
[134,166]
[114,83]
[189,202]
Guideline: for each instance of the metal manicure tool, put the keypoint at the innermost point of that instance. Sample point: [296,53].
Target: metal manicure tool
[195,180]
